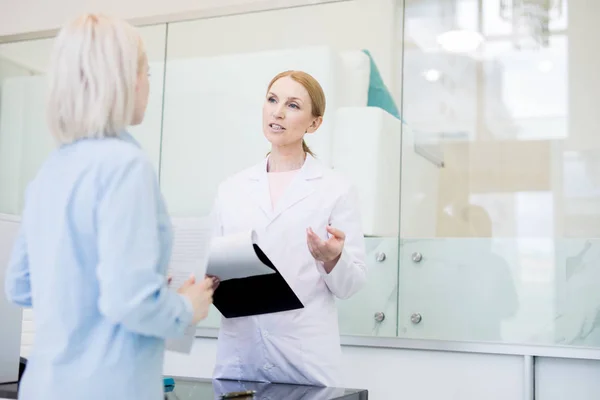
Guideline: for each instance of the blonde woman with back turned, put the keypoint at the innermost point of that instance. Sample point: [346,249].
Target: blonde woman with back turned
[95,236]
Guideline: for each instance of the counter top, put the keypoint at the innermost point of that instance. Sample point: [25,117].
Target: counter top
[207,389]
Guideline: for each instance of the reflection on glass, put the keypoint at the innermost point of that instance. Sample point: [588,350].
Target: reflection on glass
[461,289]
[512,256]
[373,310]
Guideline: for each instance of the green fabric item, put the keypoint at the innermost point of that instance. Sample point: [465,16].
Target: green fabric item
[379,95]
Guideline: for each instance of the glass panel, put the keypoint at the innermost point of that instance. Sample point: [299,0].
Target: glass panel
[25,140]
[505,93]
[212,129]
[373,310]
[462,289]
[148,133]
[24,137]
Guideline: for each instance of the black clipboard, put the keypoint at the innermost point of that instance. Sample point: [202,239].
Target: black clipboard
[256,295]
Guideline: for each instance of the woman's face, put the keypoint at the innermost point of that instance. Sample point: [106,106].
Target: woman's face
[142,90]
[287,113]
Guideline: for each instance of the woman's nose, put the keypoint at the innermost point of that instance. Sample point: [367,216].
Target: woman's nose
[278,112]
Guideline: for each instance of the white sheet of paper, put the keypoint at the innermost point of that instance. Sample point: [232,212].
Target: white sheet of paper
[191,242]
[234,257]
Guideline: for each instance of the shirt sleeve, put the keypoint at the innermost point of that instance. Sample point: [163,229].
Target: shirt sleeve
[350,273]
[132,291]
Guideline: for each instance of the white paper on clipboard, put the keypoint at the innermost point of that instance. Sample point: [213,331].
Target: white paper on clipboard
[196,252]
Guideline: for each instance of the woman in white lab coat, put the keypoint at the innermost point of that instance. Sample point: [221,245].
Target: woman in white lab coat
[308,223]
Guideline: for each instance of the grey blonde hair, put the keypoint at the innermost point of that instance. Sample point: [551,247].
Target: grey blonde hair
[93,76]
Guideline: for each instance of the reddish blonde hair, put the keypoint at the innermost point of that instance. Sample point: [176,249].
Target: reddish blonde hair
[315,92]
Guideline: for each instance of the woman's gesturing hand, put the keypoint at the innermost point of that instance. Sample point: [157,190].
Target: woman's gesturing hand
[327,251]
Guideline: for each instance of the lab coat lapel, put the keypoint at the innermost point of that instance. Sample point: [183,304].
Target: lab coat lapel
[302,186]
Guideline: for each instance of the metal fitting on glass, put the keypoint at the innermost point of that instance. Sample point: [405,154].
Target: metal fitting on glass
[417,257]
[380,257]
[416,318]
[379,316]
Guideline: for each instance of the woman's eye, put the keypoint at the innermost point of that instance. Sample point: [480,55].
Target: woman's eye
[294,105]
[271,100]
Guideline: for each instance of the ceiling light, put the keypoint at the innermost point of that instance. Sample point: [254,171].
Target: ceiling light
[460,41]
[432,75]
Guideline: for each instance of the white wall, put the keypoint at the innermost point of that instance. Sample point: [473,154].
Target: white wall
[24,16]
[560,379]
[398,374]
[346,25]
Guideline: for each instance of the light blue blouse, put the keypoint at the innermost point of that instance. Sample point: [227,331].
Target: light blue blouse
[91,258]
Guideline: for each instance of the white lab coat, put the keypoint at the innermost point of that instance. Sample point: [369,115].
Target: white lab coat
[300,346]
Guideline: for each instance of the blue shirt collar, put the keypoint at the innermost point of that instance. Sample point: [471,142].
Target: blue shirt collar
[126,136]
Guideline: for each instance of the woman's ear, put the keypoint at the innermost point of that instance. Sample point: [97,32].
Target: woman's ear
[315,125]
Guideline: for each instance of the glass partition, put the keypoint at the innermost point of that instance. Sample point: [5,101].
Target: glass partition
[148,133]
[505,92]
[215,89]
[212,128]
[468,126]
[25,140]
[24,137]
